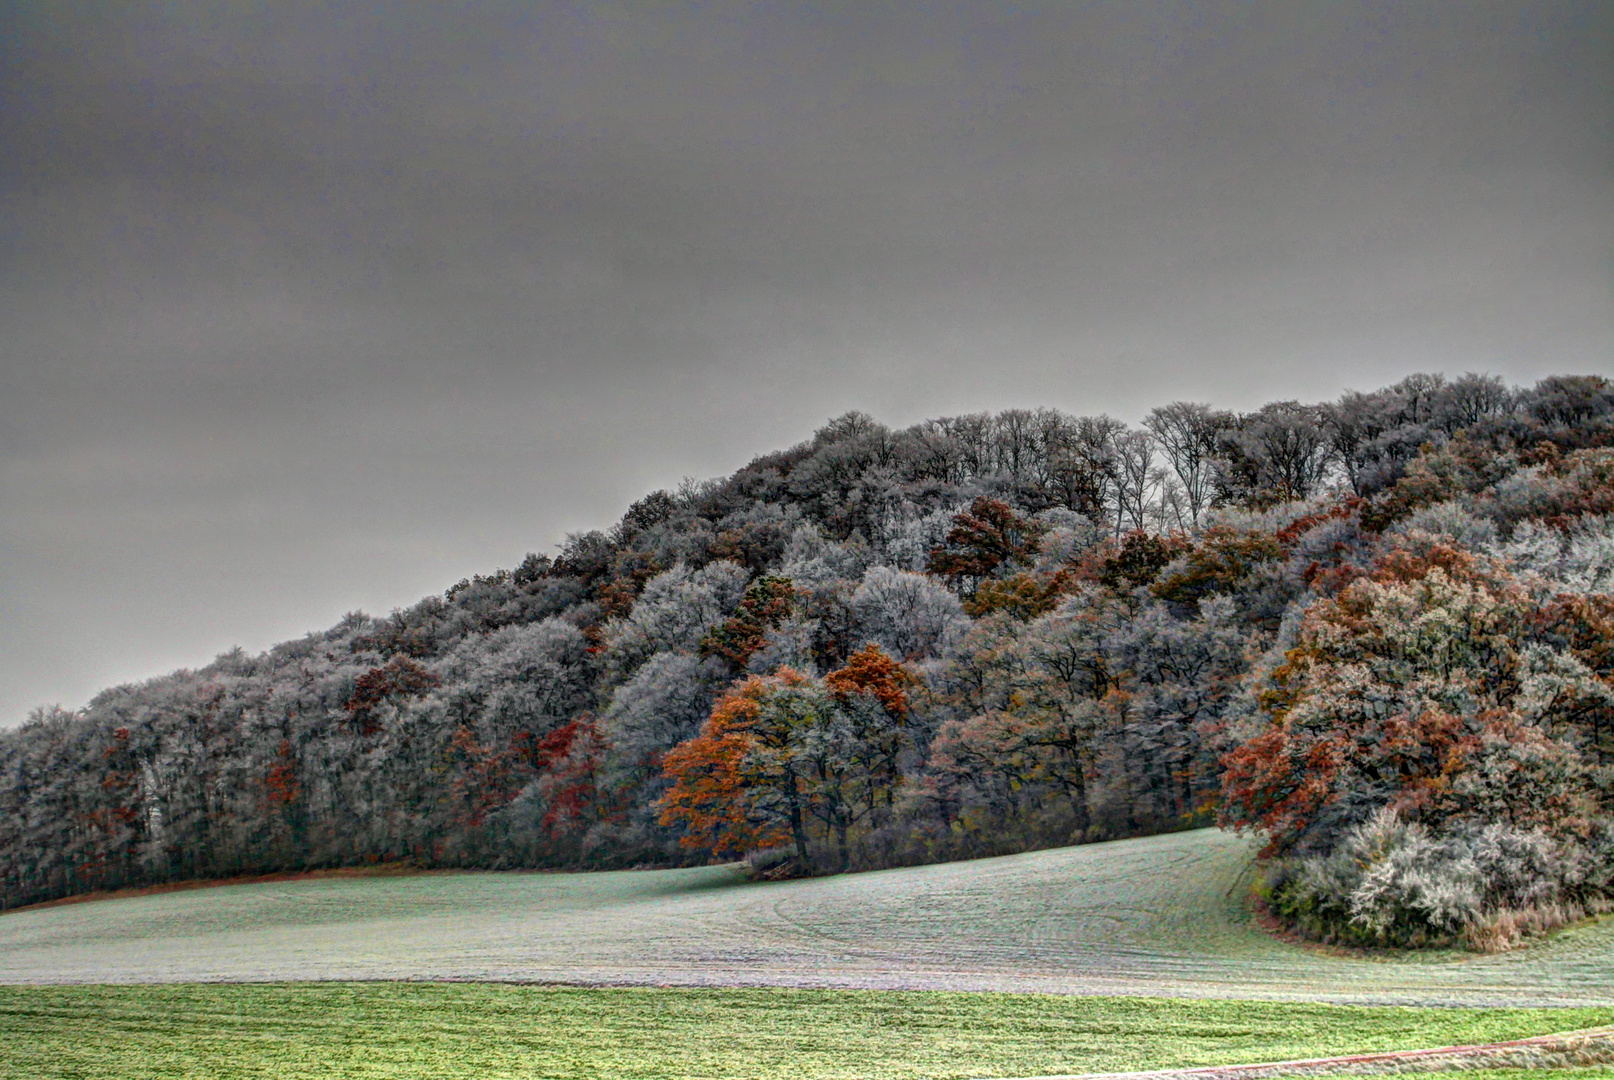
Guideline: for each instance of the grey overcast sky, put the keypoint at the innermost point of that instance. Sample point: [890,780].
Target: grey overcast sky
[316,307]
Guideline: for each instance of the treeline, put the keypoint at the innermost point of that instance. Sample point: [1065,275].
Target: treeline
[1379,630]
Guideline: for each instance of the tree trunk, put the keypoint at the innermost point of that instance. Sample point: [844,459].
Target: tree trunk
[798,830]
[1078,804]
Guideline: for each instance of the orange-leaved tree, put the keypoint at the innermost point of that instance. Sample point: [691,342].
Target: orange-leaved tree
[740,784]
[782,752]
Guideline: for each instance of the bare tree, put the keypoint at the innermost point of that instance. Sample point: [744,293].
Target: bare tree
[1135,480]
[1186,433]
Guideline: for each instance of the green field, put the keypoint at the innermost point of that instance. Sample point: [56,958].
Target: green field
[492,1031]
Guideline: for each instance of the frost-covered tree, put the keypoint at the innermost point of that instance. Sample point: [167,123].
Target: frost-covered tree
[661,705]
[911,616]
[673,613]
[1279,453]
[1578,558]
[519,678]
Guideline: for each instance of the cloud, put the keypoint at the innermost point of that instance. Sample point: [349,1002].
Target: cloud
[286,283]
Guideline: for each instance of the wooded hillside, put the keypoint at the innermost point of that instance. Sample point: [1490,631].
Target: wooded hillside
[1380,630]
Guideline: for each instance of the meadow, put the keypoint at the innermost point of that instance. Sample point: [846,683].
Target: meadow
[391,1030]
[1129,955]
[1158,916]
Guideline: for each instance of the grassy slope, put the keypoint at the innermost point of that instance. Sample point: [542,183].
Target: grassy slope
[1161,915]
[491,1031]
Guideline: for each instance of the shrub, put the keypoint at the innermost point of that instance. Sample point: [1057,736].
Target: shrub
[1394,882]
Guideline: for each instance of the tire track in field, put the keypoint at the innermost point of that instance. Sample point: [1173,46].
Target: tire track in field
[1159,915]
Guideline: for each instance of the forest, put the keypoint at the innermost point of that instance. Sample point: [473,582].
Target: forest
[1378,632]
